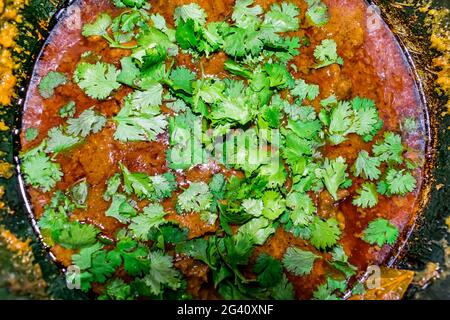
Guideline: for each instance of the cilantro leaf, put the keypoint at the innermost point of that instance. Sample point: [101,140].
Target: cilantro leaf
[328,290]
[147,100]
[129,71]
[186,36]
[97,265]
[218,186]
[181,79]
[341,120]
[269,270]
[302,90]
[187,149]
[68,110]
[340,262]
[253,207]
[391,149]
[308,129]
[80,192]
[152,217]
[256,231]
[368,196]
[360,117]
[239,42]
[76,235]
[50,82]
[200,249]
[294,111]
[159,22]
[235,106]
[236,250]
[130,3]
[317,12]
[97,80]
[366,166]
[178,106]
[295,148]
[245,15]
[138,125]
[138,183]
[83,259]
[104,264]
[274,205]
[99,27]
[399,182]
[334,175]
[272,115]
[134,256]
[164,185]
[326,54]
[39,171]
[117,289]
[196,198]
[367,118]
[88,122]
[121,209]
[274,173]
[190,12]
[303,208]
[283,18]
[285,48]
[381,232]
[209,91]
[112,186]
[58,141]
[161,273]
[170,234]
[279,76]
[52,222]
[324,234]
[31,134]
[299,262]
[284,290]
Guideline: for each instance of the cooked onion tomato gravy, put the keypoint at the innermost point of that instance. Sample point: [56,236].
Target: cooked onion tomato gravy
[223,149]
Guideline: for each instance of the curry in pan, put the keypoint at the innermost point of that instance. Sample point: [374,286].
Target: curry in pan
[222,149]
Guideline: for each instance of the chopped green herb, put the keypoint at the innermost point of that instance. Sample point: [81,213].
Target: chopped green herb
[88,122]
[299,262]
[68,110]
[50,82]
[31,134]
[97,80]
[368,196]
[326,54]
[381,232]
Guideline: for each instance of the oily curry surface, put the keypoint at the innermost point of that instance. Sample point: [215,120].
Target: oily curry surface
[374,68]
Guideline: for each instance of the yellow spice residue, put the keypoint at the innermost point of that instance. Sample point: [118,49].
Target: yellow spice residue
[26,278]
[6,169]
[430,273]
[13,244]
[2,193]
[9,17]
[440,40]
[3,126]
